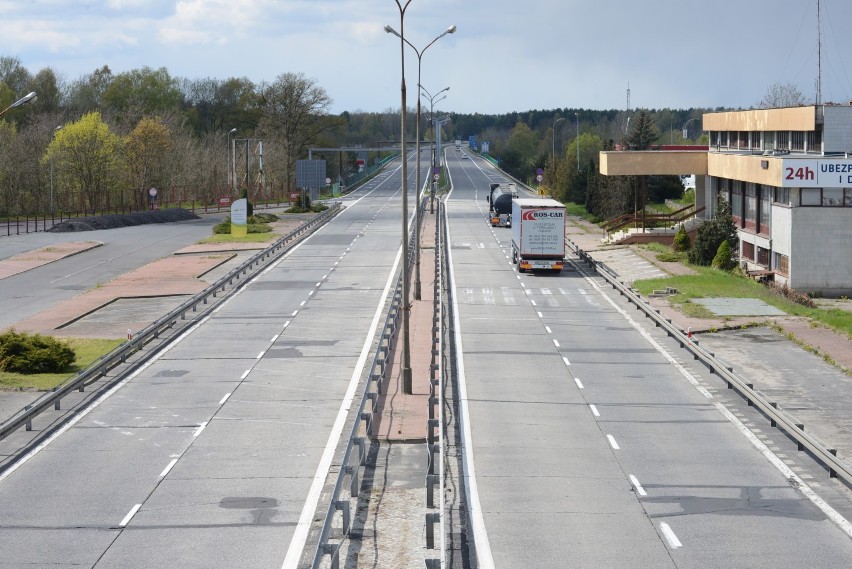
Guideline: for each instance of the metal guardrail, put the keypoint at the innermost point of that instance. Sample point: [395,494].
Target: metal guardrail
[123,352]
[361,429]
[778,418]
[435,425]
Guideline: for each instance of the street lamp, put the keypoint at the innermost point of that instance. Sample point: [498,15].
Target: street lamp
[577,116]
[390,30]
[406,345]
[553,142]
[230,132]
[28,98]
[57,129]
[432,103]
[686,125]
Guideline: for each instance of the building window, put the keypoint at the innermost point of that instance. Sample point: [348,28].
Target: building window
[747,250]
[815,141]
[737,203]
[768,141]
[782,195]
[811,196]
[798,141]
[750,206]
[832,197]
[782,264]
[764,210]
[742,142]
[763,257]
[782,140]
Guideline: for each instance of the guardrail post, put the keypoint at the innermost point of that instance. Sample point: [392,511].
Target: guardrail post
[343,507]
[29,426]
[831,472]
[431,481]
[433,450]
[801,427]
[431,520]
[772,422]
[354,485]
[333,550]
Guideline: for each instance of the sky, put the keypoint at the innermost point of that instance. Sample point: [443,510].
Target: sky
[506,55]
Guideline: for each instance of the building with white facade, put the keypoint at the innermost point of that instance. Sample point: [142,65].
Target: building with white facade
[787,174]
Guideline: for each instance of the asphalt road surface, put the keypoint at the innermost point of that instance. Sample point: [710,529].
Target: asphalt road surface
[590,444]
[214,455]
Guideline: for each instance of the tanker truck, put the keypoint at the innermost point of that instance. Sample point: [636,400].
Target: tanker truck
[500,204]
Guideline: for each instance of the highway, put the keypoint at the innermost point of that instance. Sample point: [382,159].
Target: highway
[590,443]
[215,453]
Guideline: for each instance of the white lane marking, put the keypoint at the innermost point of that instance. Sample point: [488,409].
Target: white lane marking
[556,342]
[245,374]
[578,382]
[523,286]
[225,398]
[548,329]
[484,556]
[319,283]
[564,359]
[129,515]
[674,542]
[275,337]
[199,429]
[324,277]
[300,534]
[168,468]
[295,312]
[612,442]
[533,303]
[260,355]
[287,323]
[540,315]
[303,303]
[311,293]
[594,410]
[791,476]
[639,489]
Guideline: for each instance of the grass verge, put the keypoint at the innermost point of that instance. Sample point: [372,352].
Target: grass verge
[250,238]
[714,283]
[87,350]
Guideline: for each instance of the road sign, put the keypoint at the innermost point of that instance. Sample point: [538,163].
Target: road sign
[436,177]
[539,171]
[539,178]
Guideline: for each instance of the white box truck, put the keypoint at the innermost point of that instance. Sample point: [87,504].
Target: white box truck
[538,234]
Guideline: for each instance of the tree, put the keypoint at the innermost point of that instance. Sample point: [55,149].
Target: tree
[87,159]
[294,114]
[142,92]
[682,242]
[86,93]
[723,259]
[147,152]
[644,132]
[781,95]
[712,233]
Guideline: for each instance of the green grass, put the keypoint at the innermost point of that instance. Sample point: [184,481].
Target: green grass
[581,211]
[87,350]
[713,283]
[665,253]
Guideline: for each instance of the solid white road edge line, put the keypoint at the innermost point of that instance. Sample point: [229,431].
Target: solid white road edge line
[484,557]
[806,490]
[300,535]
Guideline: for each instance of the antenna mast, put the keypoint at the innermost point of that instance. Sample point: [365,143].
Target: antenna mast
[628,96]
[819,58]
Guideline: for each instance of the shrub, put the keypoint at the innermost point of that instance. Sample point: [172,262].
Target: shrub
[792,294]
[723,260]
[712,233]
[681,240]
[34,353]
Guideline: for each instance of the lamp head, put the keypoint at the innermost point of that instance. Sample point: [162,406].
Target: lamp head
[390,30]
[451,29]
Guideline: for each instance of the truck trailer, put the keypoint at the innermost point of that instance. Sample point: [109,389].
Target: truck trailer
[500,204]
[538,234]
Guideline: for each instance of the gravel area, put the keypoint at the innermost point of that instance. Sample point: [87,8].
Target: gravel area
[116,221]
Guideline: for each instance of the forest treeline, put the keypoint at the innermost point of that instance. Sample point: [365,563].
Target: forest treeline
[105,137]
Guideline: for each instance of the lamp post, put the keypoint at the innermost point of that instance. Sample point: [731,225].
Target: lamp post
[686,125]
[57,129]
[28,98]
[577,116]
[553,142]
[406,345]
[419,53]
[230,132]
[432,102]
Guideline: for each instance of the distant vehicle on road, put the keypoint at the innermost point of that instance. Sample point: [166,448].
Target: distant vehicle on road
[464,156]
[538,234]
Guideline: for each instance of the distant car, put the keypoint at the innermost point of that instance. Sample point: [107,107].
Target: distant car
[464,156]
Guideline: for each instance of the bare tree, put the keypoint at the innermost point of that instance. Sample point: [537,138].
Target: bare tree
[781,95]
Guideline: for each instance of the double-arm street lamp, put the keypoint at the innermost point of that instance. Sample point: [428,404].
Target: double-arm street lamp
[686,125]
[432,102]
[390,30]
[28,98]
